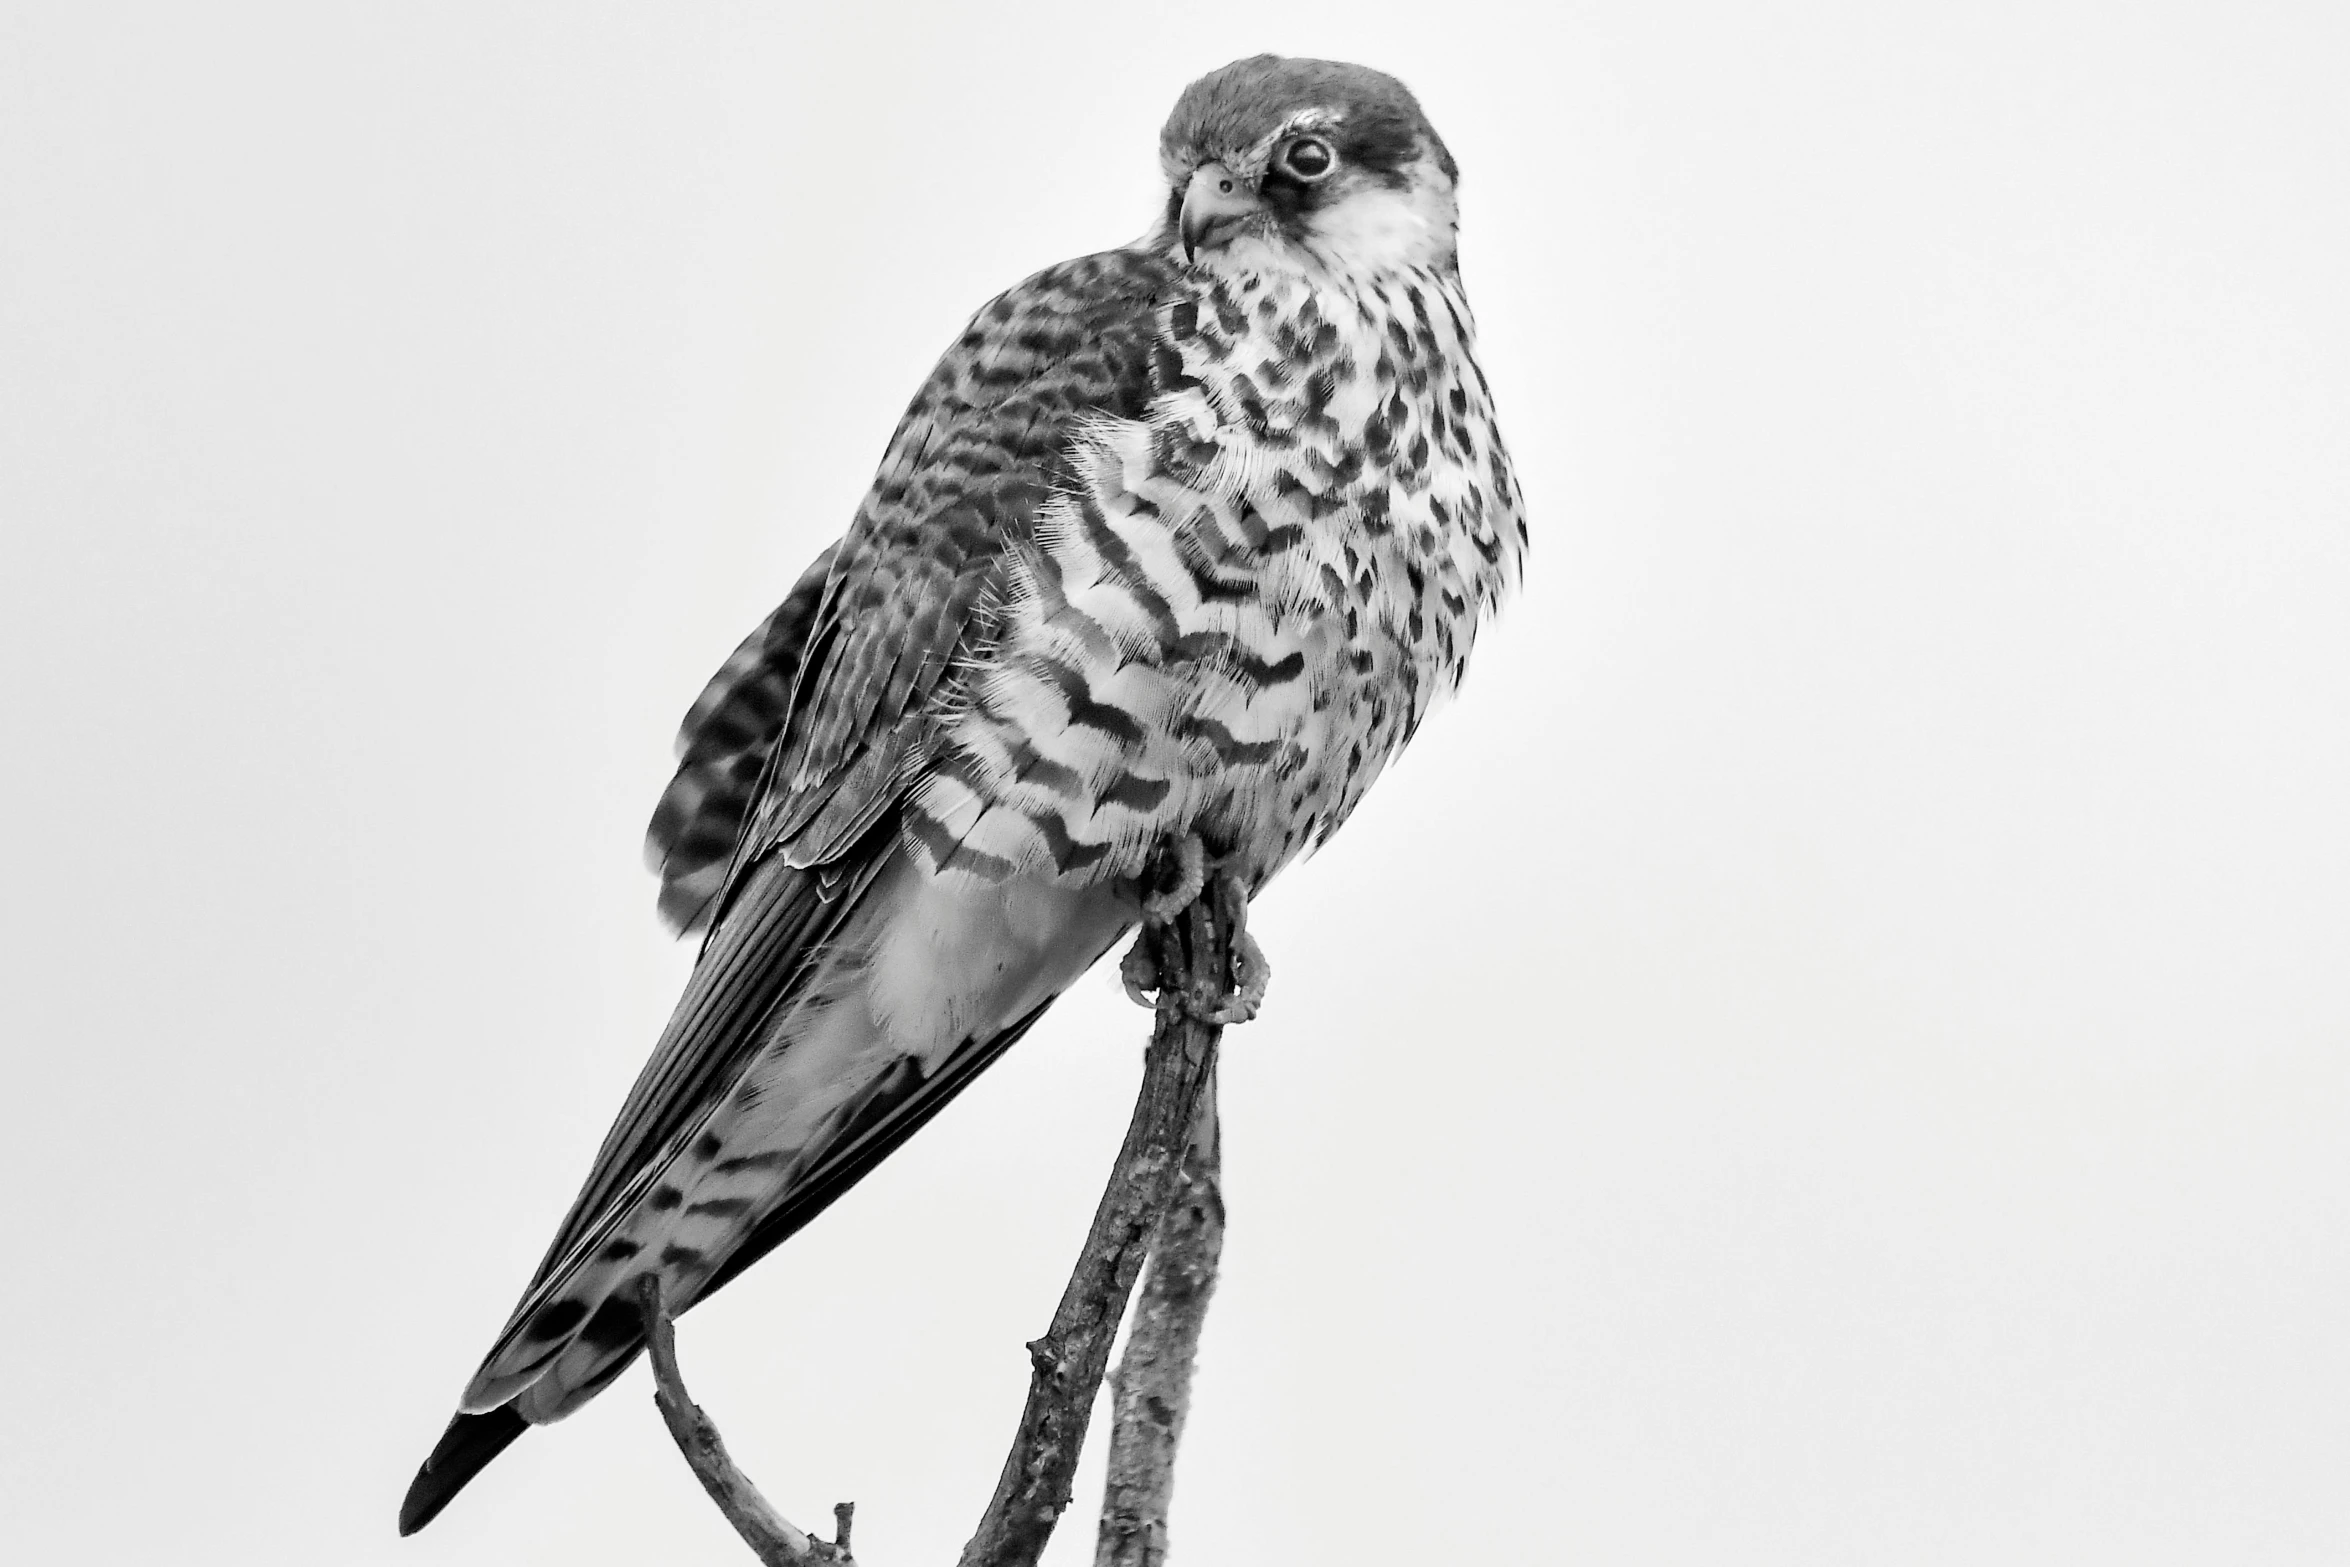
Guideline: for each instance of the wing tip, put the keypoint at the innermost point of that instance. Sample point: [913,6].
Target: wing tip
[463,1451]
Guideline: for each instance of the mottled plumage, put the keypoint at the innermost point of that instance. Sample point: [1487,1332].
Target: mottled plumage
[1181,538]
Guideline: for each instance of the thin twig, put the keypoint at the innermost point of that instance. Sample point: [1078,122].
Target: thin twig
[1193,961]
[771,1536]
[1151,1391]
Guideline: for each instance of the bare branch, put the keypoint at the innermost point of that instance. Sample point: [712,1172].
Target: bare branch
[1151,1392]
[1169,1155]
[1192,955]
[771,1536]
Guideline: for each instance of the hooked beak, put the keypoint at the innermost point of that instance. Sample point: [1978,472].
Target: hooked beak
[1216,198]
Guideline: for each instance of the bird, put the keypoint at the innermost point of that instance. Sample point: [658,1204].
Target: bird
[1165,563]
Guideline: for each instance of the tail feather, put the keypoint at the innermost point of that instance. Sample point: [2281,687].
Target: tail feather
[462,1452]
[812,1089]
[897,1109]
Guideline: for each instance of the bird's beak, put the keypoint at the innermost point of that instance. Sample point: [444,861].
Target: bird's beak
[1216,198]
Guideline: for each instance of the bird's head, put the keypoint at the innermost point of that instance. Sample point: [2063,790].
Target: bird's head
[1293,164]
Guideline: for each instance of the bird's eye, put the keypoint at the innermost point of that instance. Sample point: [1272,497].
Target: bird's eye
[1308,158]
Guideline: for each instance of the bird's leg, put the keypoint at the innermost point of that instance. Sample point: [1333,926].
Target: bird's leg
[1190,853]
[1139,969]
[1252,973]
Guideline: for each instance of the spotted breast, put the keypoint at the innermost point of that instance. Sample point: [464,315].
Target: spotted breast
[1176,547]
[1242,604]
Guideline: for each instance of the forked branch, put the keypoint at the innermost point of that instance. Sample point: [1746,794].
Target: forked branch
[1192,958]
[1167,1159]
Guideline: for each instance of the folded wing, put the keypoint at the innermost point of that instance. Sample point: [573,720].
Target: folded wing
[767,1096]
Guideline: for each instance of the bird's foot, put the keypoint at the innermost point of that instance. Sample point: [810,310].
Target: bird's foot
[1139,969]
[1251,975]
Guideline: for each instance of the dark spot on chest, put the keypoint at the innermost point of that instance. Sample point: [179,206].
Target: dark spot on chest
[1135,793]
[1168,374]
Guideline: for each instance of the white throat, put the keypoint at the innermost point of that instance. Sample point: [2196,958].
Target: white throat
[1381,229]
[1374,231]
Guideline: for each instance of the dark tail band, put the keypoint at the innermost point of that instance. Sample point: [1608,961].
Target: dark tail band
[470,1442]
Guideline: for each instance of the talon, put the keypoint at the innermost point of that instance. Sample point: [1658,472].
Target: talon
[1252,975]
[1139,974]
[1191,874]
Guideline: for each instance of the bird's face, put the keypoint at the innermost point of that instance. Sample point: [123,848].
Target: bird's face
[1277,164]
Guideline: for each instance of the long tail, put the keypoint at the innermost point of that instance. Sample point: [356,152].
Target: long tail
[766,1101]
[463,1451]
[473,1440]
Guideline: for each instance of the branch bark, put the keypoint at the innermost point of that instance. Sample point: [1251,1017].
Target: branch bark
[774,1539]
[1151,1391]
[1192,957]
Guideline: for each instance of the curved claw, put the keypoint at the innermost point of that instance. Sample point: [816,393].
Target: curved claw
[1139,974]
[1252,973]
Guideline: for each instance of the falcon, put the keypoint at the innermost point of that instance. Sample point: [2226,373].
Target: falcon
[1165,563]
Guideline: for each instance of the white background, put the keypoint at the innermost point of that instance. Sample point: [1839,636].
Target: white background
[1835,1050]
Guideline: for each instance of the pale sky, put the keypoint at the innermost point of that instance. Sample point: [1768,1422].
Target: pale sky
[1835,1050]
